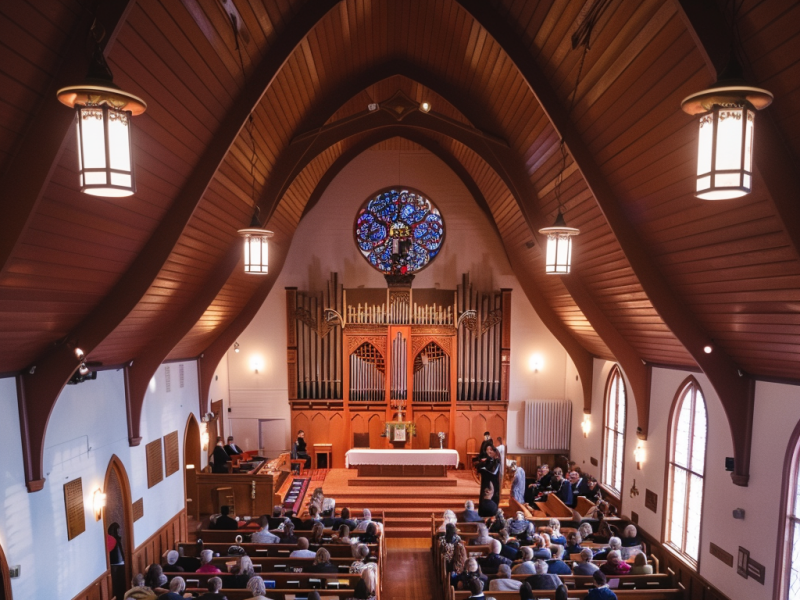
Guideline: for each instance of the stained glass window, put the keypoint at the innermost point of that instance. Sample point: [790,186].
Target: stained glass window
[686,469]
[399,231]
[614,431]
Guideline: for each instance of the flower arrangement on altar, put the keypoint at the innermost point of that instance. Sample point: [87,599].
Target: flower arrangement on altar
[441,439]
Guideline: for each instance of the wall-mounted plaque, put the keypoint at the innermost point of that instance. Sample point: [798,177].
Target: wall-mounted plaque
[73,501]
[138,509]
[155,463]
[594,461]
[725,557]
[634,517]
[171,455]
[650,500]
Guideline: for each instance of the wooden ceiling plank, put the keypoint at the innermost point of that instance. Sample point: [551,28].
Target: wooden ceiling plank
[38,393]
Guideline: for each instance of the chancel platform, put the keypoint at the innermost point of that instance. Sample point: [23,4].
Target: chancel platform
[401,463]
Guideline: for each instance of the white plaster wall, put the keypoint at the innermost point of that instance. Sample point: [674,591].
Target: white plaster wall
[324,243]
[87,427]
[775,417]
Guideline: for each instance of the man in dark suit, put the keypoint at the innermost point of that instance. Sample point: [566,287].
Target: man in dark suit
[487,507]
[489,468]
[562,488]
[297,522]
[492,561]
[313,514]
[232,449]
[580,487]
[219,458]
[487,441]
[470,515]
[224,521]
[278,517]
[344,519]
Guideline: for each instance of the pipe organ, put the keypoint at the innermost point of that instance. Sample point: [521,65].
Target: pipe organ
[361,358]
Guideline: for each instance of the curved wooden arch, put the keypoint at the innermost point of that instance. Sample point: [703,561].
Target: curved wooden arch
[735,390]
[39,389]
[5,578]
[211,357]
[672,425]
[115,465]
[191,436]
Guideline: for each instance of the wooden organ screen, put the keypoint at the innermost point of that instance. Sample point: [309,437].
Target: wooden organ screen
[356,356]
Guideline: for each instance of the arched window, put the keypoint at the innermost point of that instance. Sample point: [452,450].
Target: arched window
[687,457]
[789,583]
[614,431]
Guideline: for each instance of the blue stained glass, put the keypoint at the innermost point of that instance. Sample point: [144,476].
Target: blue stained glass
[399,231]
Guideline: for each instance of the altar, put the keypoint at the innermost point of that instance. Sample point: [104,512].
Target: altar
[401,463]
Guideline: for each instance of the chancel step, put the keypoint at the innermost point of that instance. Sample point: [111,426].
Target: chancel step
[403,482]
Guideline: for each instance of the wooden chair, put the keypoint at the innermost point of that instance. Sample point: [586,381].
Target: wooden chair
[434,441]
[360,440]
[471,455]
[225,497]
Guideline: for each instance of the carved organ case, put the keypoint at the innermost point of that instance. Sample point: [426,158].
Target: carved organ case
[361,358]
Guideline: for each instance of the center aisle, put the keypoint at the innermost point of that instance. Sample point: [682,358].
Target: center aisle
[408,574]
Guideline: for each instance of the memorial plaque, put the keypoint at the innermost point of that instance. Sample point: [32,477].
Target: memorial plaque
[171,454]
[73,501]
[155,463]
[725,557]
[138,509]
[650,500]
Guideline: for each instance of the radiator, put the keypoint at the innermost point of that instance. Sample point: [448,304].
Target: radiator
[547,424]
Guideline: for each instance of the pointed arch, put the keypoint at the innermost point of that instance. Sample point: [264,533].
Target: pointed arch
[615,420]
[5,578]
[423,422]
[789,522]
[686,459]
[192,452]
[116,469]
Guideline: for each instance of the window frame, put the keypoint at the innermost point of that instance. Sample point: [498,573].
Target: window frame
[608,486]
[674,415]
[791,472]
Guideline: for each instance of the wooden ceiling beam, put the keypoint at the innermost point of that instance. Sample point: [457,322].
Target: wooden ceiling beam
[28,172]
[736,392]
[40,385]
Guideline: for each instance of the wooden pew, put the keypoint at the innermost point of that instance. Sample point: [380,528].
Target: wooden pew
[271,550]
[347,580]
[283,594]
[660,594]
[268,564]
[584,505]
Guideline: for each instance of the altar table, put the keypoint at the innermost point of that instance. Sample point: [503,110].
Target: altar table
[401,463]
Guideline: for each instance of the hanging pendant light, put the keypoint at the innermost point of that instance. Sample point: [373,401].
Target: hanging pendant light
[725,142]
[256,247]
[559,246]
[105,163]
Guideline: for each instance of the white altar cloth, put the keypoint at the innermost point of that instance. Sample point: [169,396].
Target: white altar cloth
[368,456]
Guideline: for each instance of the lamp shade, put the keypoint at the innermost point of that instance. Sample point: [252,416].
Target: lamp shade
[256,250]
[725,139]
[105,141]
[558,260]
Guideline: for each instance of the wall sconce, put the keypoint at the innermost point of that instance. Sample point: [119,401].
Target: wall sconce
[586,425]
[256,363]
[190,467]
[236,347]
[204,436]
[634,490]
[639,455]
[535,362]
[98,504]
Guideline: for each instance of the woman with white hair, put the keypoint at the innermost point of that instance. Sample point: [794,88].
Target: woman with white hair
[526,567]
[585,531]
[585,566]
[555,533]
[362,552]
[256,587]
[206,566]
[483,538]
[542,580]
[242,573]
[503,581]
[614,564]
[631,543]
[139,591]
[366,586]
[472,570]
[171,563]
[613,544]
[448,517]
[176,589]
[518,525]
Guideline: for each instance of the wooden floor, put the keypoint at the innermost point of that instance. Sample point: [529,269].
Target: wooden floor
[408,572]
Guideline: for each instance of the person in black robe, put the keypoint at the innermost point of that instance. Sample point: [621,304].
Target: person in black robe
[219,458]
[300,444]
[489,468]
[224,522]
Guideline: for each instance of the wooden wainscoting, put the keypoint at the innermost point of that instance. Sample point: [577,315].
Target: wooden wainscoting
[99,589]
[151,550]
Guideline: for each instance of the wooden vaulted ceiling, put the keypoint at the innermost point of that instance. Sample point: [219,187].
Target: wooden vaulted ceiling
[168,255]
